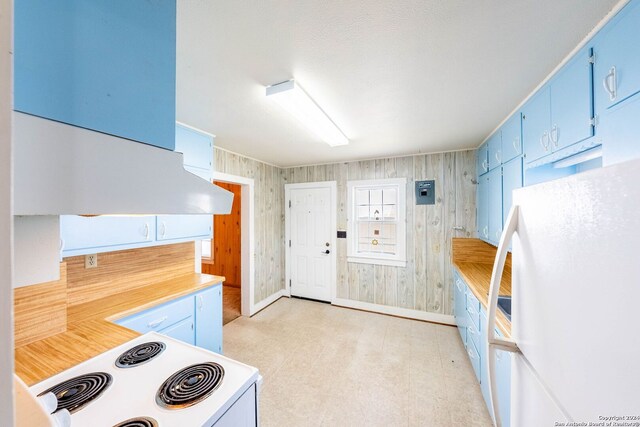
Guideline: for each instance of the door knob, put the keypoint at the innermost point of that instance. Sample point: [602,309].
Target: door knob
[327,252]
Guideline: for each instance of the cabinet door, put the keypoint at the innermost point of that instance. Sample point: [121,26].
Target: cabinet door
[482,161]
[209,319]
[101,65]
[503,383]
[619,129]
[460,308]
[102,233]
[511,180]
[495,205]
[159,318]
[197,147]
[512,138]
[495,150]
[571,102]
[178,227]
[483,207]
[617,52]
[182,331]
[536,119]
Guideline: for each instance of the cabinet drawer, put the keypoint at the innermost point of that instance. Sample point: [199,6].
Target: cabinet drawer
[473,333]
[473,309]
[159,318]
[474,358]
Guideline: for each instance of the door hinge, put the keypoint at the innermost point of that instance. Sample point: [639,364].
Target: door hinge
[289,243]
[592,58]
[289,282]
[593,121]
[289,203]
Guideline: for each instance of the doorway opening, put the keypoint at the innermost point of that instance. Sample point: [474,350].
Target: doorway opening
[225,254]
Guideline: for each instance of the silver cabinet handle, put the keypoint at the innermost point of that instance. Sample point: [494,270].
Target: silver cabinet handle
[498,156]
[200,302]
[544,141]
[163,229]
[498,233]
[156,323]
[146,231]
[472,311]
[516,144]
[485,232]
[485,165]
[610,83]
[458,285]
[494,342]
[471,355]
[554,135]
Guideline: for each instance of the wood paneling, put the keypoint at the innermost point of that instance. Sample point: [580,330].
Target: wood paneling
[121,271]
[426,283]
[227,241]
[40,310]
[269,218]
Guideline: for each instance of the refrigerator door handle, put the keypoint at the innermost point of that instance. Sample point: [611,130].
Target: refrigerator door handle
[493,342]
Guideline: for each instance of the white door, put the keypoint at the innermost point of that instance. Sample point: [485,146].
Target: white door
[311,260]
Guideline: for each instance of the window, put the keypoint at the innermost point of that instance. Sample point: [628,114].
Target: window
[376,229]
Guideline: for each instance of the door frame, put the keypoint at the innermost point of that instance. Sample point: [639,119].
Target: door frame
[332,186]
[247,239]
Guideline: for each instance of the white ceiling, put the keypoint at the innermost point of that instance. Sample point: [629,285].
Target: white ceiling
[398,77]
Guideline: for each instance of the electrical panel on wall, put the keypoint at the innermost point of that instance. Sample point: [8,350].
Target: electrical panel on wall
[426,192]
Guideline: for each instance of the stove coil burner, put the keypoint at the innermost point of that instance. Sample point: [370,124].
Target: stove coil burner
[190,385]
[138,422]
[140,354]
[77,392]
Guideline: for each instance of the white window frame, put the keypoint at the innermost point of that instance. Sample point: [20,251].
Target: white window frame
[400,258]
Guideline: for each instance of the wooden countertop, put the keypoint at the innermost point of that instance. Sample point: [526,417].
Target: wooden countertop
[90,330]
[477,276]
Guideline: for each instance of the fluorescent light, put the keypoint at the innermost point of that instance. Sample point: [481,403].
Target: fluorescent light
[590,154]
[290,96]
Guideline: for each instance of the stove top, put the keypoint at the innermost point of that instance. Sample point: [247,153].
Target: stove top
[75,393]
[166,383]
[190,385]
[138,422]
[142,353]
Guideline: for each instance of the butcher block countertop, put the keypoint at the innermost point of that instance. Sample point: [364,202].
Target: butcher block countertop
[90,330]
[473,259]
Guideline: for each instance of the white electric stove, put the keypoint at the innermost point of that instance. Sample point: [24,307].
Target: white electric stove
[155,380]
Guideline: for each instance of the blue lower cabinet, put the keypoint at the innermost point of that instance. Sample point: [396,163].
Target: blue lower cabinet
[195,319]
[182,331]
[460,307]
[473,331]
[209,319]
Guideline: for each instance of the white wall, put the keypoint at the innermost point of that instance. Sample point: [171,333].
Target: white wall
[6,222]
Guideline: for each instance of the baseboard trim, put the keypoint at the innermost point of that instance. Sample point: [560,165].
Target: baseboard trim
[256,308]
[407,313]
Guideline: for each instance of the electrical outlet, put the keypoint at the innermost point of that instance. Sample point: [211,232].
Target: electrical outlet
[91,261]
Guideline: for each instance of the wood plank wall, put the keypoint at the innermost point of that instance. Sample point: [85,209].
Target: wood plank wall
[226,244]
[426,284]
[269,218]
[129,269]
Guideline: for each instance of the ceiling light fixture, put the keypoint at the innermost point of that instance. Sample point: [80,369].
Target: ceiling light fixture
[290,96]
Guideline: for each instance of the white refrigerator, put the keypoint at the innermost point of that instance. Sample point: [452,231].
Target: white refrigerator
[575,300]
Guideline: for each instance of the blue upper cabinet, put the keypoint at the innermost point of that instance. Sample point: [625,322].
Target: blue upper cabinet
[495,150]
[104,65]
[572,102]
[482,207]
[536,118]
[512,138]
[482,159]
[617,59]
[196,146]
[494,190]
[511,179]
